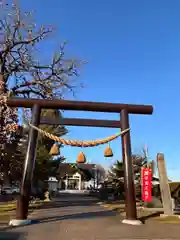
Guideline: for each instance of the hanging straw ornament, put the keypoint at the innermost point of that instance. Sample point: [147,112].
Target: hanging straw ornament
[81,158]
[108,152]
[54,150]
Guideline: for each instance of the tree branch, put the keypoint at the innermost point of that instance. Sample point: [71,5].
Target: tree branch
[26,75]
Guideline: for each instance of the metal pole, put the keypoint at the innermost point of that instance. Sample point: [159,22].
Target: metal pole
[97,175]
[131,213]
[23,202]
[94,169]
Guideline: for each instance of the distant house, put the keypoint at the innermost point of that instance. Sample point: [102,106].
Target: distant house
[155,181]
[174,189]
[77,177]
[53,184]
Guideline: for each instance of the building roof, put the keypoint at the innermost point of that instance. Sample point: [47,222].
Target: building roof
[174,188]
[86,170]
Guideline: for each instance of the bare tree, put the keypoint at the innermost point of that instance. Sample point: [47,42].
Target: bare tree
[21,73]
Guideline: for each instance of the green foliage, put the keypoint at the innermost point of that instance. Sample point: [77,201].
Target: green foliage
[13,158]
[138,161]
[155,203]
[116,179]
[116,174]
[49,115]
[45,165]
[11,167]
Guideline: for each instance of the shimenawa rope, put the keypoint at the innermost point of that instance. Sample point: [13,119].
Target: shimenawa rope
[74,143]
[77,143]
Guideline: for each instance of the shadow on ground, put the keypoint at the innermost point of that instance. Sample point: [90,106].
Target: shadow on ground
[11,236]
[76,216]
[62,204]
[152,215]
[86,215]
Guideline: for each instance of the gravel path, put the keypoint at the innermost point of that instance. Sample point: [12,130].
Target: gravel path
[81,218]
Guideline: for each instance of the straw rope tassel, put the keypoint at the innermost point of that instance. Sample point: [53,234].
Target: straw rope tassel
[76,143]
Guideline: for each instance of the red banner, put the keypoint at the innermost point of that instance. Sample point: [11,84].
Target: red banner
[146,184]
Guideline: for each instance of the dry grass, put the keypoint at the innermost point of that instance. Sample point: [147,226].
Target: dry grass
[8,210]
[10,206]
[143,215]
[118,205]
[170,219]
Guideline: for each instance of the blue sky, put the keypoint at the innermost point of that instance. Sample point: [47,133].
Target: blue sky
[133,53]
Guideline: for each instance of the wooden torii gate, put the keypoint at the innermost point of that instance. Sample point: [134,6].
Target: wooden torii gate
[123,109]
